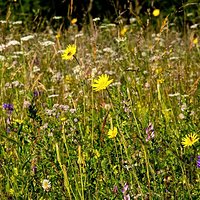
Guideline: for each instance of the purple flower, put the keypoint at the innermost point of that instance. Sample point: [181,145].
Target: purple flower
[115,189]
[36,93]
[127,197]
[8,107]
[150,132]
[125,188]
[198,161]
[34,169]
[124,191]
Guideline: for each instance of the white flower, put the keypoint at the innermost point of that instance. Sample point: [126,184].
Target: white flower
[181,116]
[132,20]
[46,184]
[36,69]
[96,19]
[57,17]
[194,26]
[78,35]
[17,22]
[18,53]
[53,95]
[28,37]
[120,39]
[3,21]
[174,95]
[108,50]
[47,43]
[12,43]
[2,47]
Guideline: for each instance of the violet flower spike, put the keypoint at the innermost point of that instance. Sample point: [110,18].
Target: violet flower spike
[150,132]
[127,197]
[8,107]
[115,189]
[198,161]
[125,188]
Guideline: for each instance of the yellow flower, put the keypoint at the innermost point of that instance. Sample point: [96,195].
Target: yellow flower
[73,21]
[11,191]
[161,80]
[18,121]
[190,139]
[58,35]
[69,52]
[195,41]
[112,132]
[46,184]
[123,31]
[96,154]
[63,119]
[156,12]
[101,83]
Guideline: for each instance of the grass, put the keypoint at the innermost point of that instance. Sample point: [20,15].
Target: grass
[58,128]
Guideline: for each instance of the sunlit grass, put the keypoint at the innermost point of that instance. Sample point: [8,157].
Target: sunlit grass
[60,139]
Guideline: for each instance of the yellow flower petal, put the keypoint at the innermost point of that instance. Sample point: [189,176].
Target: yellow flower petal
[156,12]
[69,52]
[112,133]
[195,41]
[189,140]
[73,21]
[101,83]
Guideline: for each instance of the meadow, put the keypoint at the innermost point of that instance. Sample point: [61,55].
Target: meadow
[111,112]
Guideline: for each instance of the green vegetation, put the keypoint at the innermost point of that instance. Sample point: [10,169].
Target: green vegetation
[67,131]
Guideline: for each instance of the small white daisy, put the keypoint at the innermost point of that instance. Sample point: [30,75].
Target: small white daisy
[46,184]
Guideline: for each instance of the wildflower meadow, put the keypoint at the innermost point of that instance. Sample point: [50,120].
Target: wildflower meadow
[108,112]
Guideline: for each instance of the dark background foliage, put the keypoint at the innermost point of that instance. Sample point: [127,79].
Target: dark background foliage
[40,11]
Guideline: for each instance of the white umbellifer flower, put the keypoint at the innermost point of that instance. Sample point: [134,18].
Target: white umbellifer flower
[17,22]
[108,50]
[18,53]
[194,26]
[46,184]
[120,39]
[132,20]
[3,21]
[53,95]
[2,47]
[12,43]
[96,19]
[93,72]
[78,35]
[47,43]
[174,95]
[28,37]
[36,69]
[57,17]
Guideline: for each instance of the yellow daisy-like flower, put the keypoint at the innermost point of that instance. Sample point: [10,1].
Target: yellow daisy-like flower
[69,52]
[195,41]
[190,139]
[68,79]
[102,82]
[58,35]
[112,133]
[73,21]
[156,12]
[123,31]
